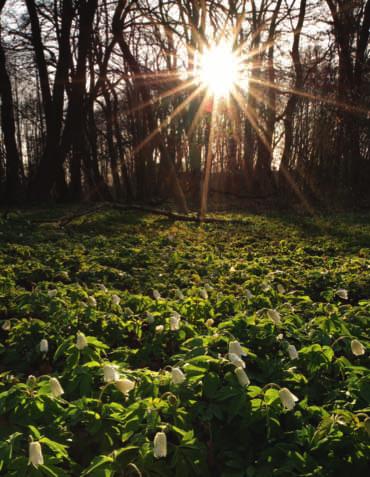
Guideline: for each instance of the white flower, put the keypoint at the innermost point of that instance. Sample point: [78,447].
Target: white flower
[159,329]
[242,376]
[81,341]
[116,299]
[236,360]
[292,351]
[342,293]
[31,381]
[35,454]
[52,293]
[234,347]
[248,294]
[280,288]
[280,337]
[44,345]
[265,287]
[209,322]
[91,301]
[178,377]
[179,294]
[203,293]
[287,398]
[6,325]
[56,388]
[160,445]
[149,317]
[357,348]
[102,287]
[274,315]
[232,269]
[124,385]
[156,295]
[175,322]
[110,373]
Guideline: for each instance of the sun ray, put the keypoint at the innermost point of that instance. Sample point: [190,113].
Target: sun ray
[159,97]
[313,97]
[169,118]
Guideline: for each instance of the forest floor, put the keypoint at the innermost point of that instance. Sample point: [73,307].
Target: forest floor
[152,294]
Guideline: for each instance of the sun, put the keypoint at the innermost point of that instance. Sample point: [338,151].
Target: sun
[219,70]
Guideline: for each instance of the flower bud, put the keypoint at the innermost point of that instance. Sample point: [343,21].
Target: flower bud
[44,345]
[124,385]
[280,288]
[274,315]
[116,299]
[248,294]
[81,341]
[292,351]
[160,445]
[178,377]
[175,322]
[159,329]
[234,347]
[56,388]
[35,454]
[342,293]
[203,294]
[6,325]
[287,398]
[91,301]
[236,360]
[209,323]
[110,372]
[357,348]
[31,381]
[242,376]
[156,295]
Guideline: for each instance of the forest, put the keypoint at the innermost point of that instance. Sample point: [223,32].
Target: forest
[184,238]
[117,101]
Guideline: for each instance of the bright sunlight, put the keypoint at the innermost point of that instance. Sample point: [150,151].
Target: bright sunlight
[219,69]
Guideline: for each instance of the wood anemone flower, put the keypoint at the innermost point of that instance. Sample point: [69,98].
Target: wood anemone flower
[175,320]
[160,445]
[81,341]
[125,385]
[357,348]
[44,345]
[56,388]
[35,456]
[292,351]
[274,315]
[110,373]
[242,376]
[287,398]
[236,360]
[178,377]
[235,347]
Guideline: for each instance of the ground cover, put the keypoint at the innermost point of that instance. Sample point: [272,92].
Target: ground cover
[135,345]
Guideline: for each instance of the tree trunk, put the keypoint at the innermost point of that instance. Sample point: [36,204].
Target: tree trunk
[12,192]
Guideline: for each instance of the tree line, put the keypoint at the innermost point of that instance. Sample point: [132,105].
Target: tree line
[99,102]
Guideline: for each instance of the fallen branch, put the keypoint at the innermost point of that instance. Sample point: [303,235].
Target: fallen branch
[177,216]
[65,220]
